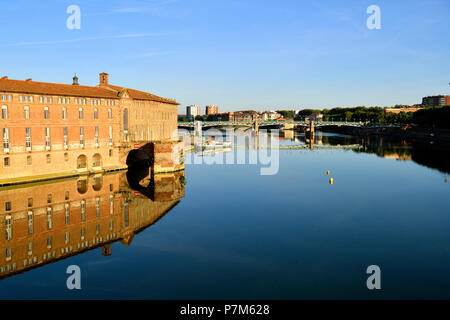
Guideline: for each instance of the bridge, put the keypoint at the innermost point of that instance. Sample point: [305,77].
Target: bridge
[212,124]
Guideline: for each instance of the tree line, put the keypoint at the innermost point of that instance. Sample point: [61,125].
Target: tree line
[428,116]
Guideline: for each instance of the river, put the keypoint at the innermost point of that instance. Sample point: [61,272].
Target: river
[225,231]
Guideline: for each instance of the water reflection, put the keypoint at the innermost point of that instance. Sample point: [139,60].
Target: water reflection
[45,222]
[430,154]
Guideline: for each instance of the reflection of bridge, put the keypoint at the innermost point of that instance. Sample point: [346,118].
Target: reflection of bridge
[211,124]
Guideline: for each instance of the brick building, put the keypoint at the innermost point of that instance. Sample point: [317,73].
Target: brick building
[51,129]
[433,101]
[212,109]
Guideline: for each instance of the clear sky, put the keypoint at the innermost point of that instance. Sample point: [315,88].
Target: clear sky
[238,54]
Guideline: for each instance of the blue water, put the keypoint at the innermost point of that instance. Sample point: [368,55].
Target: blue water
[293,235]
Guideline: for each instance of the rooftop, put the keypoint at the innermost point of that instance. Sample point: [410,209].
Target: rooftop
[44,88]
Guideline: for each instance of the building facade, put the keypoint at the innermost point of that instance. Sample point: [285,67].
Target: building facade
[51,129]
[192,111]
[212,109]
[434,101]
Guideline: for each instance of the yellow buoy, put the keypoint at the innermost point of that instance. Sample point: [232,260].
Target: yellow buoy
[331,181]
[328,172]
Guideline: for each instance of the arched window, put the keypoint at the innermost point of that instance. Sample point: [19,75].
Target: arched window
[46,113]
[64,113]
[96,114]
[26,110]
[80,113]
[109,114]
[5,112]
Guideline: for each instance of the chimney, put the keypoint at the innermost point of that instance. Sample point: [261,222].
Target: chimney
[103,79]
[75,80]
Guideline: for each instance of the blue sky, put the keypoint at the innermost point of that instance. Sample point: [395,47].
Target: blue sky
[238,54]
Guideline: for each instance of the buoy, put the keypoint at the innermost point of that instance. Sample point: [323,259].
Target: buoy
[331,181]
[328,172]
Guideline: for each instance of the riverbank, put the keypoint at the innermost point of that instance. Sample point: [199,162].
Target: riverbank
[404,132]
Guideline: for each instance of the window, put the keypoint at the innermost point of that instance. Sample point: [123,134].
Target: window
[47,138]
[66,157]
[26,110]
[109,114]
[49,159]
[96,114]
[8,206]
[67,237]
[110,152]
[4,112]
[49,218]
[66,196]
[30,202]
[41,99]
[80,113]
[28,138]
[49,198]
[96,135]
[67,213]
[49,242]
[20,98]
[111,204]
[83,232]
[64,113]
[6,162]
[6,139]
[83,210]
[59,100]
[30,248]
[8,223]
[66,139]
[29,161]
[30,222]
[97,207]
[82,136]
[46,113]
[110,135]
[8,254]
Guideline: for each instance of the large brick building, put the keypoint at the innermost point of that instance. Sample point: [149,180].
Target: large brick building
[51,129]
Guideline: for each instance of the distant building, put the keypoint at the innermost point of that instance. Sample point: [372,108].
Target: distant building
[248,115]
[212,109]
[434,101]
[192,111]
[403,109]
[314,117]
[270,116]
[224,116]
[181,117]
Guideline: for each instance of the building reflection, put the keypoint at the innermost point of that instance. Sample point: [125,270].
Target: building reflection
[44,222]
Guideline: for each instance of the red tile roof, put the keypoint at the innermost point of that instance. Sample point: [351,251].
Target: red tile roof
[141,95]
[45,88]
